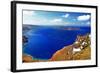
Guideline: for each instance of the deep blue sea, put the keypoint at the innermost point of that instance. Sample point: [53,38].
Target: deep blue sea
[44,41]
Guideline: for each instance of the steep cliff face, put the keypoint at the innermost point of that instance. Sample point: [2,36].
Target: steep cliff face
[79,50]
[63,54]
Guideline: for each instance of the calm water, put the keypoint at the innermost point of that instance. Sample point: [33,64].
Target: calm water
[44,41]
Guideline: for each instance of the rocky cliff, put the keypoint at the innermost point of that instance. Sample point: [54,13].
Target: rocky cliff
[68,52]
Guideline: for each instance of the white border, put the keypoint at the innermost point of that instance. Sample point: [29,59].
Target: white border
[37,65]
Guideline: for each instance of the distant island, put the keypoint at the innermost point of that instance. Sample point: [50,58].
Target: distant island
[79,50]
[71,28]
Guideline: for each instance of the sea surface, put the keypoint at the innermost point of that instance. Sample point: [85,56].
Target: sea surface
[44,41]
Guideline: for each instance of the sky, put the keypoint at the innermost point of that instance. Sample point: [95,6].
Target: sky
[36,17]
